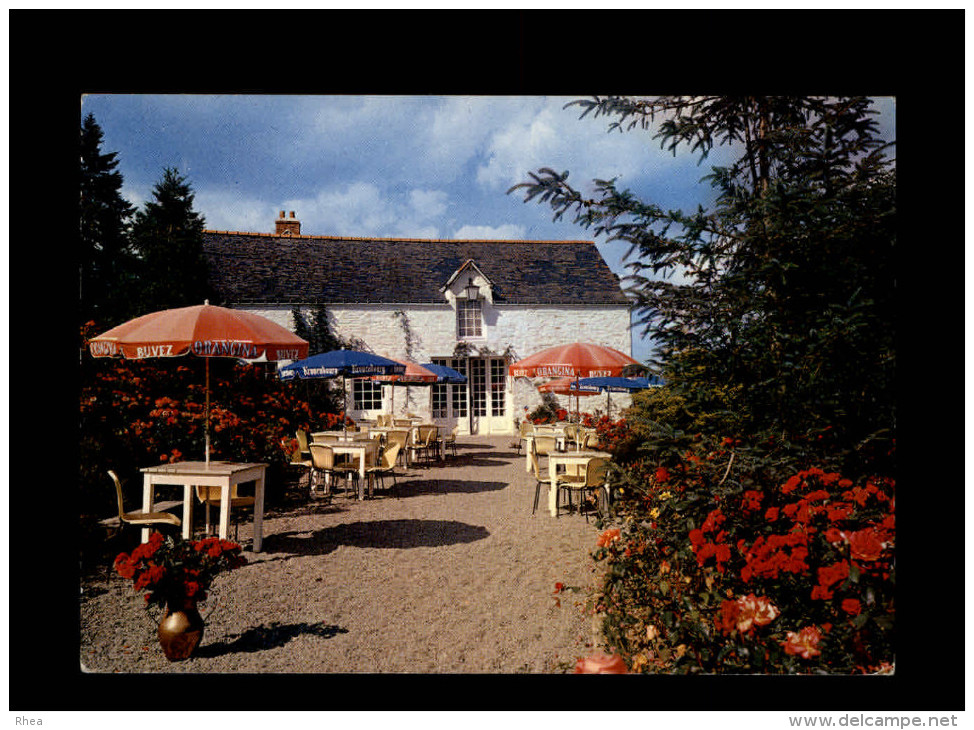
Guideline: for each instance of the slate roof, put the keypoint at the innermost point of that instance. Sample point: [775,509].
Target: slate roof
[268,268]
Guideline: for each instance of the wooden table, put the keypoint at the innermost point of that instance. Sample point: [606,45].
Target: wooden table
[359,447]
[567,458]
[191,474]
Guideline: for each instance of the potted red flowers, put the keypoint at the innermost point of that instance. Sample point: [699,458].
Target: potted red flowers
[177,574]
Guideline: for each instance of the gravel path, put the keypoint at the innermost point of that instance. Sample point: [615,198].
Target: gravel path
[456,576]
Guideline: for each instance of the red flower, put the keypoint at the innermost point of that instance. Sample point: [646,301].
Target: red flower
[821,593]
[851,606]
[608,537]
[833,573]
[559,587]
[752,500]
[124,566]
[803,643]
[865,545]
[662,475]
[772,514]
[791,485]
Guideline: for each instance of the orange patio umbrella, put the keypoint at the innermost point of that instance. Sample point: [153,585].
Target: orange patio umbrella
[202,330]
[414,373]
[575,361]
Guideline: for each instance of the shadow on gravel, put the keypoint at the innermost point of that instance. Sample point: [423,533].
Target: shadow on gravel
[395,534]
[414,487]
[267,637]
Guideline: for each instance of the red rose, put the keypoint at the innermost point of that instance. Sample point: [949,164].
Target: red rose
[865,545]
[803,643]
[851,606]
[601,664]
[662,475]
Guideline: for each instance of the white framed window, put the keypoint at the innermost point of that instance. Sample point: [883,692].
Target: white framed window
[366,395]
[450,394]
[469,318]
[498,385]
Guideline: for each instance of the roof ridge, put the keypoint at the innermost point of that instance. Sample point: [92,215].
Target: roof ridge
[403,240]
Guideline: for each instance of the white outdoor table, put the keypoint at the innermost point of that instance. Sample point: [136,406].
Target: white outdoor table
[566,458]
[529,440]
[359,448]
[191,474]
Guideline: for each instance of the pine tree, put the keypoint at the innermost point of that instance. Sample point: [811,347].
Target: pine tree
[107,263]
[168,235]
[785,317]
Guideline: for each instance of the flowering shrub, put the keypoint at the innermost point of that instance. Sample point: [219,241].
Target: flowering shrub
[135,413]
[173,571]
[737,557]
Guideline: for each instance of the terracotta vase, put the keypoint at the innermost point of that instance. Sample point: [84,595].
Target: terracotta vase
[180,631]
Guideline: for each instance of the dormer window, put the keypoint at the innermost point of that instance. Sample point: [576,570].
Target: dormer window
[469,318]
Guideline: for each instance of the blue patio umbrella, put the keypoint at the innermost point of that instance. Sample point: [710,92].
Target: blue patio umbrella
[617,385]
[343,363]
[447,375]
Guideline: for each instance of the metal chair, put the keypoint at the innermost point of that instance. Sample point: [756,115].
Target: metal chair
[536,470]
[450,442]
[399,436]
[141,519]
[593,482]
[302,437]
[525,429]
[296,460]
[210,496]
[386,465]
[323,462]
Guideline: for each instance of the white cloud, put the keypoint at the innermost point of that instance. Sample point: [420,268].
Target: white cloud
[549,135]
[504,232]
[428,203]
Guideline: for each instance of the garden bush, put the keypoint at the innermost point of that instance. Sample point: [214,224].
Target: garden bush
[747,555]
[136,413]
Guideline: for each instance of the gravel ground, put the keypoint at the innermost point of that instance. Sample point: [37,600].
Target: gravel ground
[456,576]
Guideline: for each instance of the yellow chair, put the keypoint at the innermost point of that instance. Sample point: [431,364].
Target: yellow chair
[450,441]
[140,519]
[525,429]
[401,437]
[302,437]
[323,462]
[210,496]
[295,459]
[536,470]
[385,466]
[593,482]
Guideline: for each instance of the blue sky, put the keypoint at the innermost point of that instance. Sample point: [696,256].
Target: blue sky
[391,166]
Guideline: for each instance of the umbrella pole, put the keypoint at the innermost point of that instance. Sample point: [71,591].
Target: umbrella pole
[344,406]
[206,424]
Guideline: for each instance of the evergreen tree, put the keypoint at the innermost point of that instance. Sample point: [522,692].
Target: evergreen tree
[168,235]
[785,319]
[106,262]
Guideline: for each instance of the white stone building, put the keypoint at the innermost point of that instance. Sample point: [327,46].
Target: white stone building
[472,305]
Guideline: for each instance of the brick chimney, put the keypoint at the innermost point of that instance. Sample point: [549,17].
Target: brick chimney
[287,226]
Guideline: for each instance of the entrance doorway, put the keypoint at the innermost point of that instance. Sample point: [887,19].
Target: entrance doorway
[480,406]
